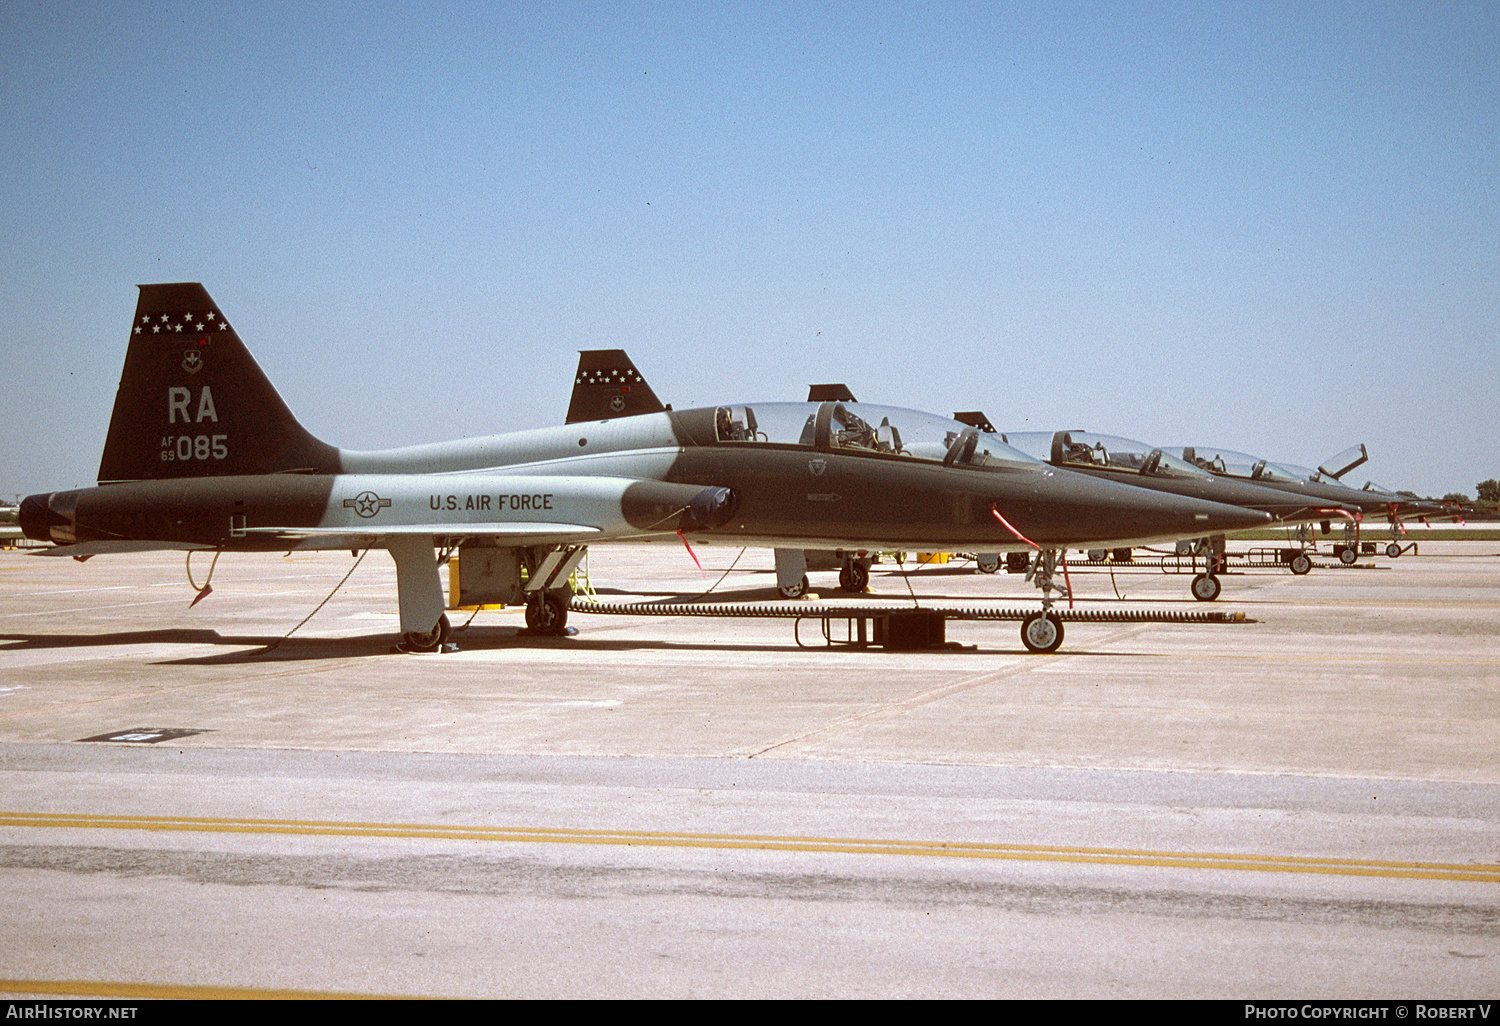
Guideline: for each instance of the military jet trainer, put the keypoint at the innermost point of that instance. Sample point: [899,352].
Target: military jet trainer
[1147,466]
[1316,485]
[202,453]
[1397,505]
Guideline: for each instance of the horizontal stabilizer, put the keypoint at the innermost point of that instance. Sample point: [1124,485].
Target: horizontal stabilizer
[81,550]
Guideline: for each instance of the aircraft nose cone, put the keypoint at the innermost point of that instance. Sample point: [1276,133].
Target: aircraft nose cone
[1196,518]
[1234,518]
[1104,511]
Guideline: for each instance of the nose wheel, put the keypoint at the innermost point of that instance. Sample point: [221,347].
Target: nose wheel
[1042,632]
[1206,587]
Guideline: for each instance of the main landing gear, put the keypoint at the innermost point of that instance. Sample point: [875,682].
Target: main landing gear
[547,613]
[427,641]
[791,573]
[424,625]
[854,575]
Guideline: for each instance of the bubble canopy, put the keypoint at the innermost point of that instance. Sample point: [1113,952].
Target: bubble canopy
[859,428]
[1085,449]
[1238,464]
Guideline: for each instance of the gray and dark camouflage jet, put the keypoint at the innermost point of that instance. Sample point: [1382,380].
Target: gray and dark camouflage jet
[1147,466]
[203,454]
[1318,485]
[1393,505]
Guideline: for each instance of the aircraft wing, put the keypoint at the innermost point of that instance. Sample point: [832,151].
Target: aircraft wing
[345,538]
[526,533]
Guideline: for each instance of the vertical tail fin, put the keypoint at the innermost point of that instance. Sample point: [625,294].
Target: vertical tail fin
[607,386]
[833,392]
[193,402]
[976,418]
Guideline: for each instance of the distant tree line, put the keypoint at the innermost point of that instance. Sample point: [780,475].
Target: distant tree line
[1488,491]
[1488,501]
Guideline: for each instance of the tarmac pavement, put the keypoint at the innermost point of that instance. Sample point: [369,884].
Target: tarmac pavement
[1304,805]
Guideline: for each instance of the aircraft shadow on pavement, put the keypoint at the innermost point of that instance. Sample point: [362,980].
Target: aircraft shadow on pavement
[247,649]
[168,636]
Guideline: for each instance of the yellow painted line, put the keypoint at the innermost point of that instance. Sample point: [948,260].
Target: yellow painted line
[1476,872]
[1332,657]
[177,991]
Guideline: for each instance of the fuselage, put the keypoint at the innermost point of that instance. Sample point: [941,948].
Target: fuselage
[803,474]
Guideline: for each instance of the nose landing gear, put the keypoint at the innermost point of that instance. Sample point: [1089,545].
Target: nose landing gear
[1043,632]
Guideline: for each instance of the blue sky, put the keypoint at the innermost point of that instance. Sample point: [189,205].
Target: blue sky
[1267,227]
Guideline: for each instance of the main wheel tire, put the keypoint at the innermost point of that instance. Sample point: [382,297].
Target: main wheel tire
[990,565]
[1393,550]
[1206,587]
[853,577]
[1300,564]
[1349,557]
[794,590]
[428,641]
[547,614]
[1042,632]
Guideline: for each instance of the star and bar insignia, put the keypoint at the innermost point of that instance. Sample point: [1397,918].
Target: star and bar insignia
[366,504]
